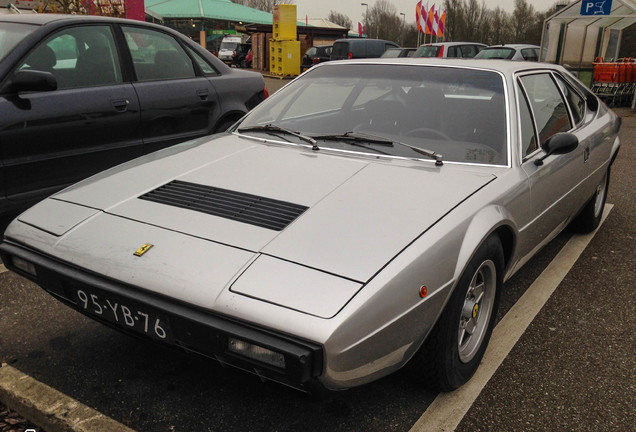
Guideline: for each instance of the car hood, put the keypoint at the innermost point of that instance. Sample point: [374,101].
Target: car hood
[351,215]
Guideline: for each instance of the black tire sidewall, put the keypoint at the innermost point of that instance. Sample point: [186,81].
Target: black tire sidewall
[452,372]
[587,221]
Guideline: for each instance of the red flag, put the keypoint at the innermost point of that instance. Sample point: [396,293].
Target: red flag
[360,29]
[442,22]
[418,15]
[429,20]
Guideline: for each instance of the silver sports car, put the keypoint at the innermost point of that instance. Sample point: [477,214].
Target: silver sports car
[364,216]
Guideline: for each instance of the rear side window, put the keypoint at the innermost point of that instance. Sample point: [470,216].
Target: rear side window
[206,67]
[530,54]
[157,56]
[340,50]
[469,51]
[549,109]
[576,102]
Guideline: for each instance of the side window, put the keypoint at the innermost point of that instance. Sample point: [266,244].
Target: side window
[157,56]
[576,102]
[82,56]
[530,54]
[548,106]
[452,52]
[469,51]
[206,67]
[528,134]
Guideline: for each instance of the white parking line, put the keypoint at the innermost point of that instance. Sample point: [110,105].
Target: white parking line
[448,409]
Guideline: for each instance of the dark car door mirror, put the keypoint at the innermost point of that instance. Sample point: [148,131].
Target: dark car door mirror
[560,143]
[31,80]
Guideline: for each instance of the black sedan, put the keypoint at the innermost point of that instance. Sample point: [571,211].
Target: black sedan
[79,94]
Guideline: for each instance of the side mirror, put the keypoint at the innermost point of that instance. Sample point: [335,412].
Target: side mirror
[32,80]
[560,143]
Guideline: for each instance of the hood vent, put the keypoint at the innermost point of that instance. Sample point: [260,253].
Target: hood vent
[251,209]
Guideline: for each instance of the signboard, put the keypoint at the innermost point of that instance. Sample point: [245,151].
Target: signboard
[596,7]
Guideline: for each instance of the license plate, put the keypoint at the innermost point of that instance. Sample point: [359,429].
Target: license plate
[124,313]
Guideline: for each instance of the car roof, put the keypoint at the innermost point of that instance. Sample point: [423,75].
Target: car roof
[506,67]
[453,44]
[515,46]
[43,19]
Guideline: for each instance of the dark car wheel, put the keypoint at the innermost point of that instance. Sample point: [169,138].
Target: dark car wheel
[590,217]
[452,352]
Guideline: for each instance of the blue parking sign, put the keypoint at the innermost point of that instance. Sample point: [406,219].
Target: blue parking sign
[596,7]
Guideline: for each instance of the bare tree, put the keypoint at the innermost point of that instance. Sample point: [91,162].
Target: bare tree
[500,27]
[523,19]
[383,21]
[340,19]
[264,5]
[115,8]
[455,21]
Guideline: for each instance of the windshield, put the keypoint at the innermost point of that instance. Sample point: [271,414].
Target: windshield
[230,46]
[459,113]
[496,53]
[11,34]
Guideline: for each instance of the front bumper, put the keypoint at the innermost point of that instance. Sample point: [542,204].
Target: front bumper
[191,329]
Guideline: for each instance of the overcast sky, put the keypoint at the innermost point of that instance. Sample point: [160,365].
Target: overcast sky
[355,11]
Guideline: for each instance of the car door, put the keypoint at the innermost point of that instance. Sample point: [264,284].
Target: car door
[90,122]
[556,184]
[178,101]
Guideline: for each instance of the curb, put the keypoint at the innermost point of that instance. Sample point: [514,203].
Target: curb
[48,408]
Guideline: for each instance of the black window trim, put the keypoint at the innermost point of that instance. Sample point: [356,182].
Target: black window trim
[551,73]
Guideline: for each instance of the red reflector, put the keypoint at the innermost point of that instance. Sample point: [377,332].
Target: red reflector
[350,55]
[441,51]
[423,291]
[316,60]
[266,92]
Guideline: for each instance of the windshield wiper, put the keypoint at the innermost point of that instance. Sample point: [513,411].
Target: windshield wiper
[376,139]
[274,128]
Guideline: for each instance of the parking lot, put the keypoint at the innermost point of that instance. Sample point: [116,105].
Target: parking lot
[572,368]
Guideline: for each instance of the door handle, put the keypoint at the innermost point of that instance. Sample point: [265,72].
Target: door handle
[203,94]
[121,105]
[586,154]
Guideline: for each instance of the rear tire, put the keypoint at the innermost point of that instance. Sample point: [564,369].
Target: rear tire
[590,217]
[454,348]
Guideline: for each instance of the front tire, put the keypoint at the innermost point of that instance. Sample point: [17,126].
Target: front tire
[452,352]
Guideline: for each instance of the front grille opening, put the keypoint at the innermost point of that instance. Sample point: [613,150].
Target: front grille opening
[246,208]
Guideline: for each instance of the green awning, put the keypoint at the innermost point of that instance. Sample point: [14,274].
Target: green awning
[223,10]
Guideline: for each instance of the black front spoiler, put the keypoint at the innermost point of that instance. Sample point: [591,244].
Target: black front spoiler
[194,330]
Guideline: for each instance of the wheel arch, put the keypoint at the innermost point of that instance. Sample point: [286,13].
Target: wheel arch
[492,220]
[229,117]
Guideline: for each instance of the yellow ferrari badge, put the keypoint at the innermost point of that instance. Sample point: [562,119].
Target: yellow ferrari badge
[142,250]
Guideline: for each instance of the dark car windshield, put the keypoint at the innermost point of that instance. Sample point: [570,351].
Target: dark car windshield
[427,51]
[11,34]
[457,112]
[230,46]
[496,53]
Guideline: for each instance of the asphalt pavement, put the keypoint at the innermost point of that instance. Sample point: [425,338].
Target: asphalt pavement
[573,369]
